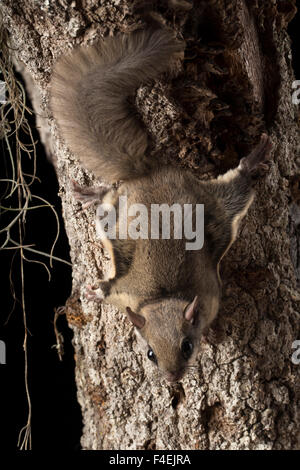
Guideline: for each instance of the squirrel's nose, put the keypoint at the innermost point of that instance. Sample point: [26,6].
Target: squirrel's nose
[174,376]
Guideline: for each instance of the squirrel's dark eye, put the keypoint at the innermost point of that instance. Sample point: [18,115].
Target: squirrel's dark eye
[187,348]
[151,356]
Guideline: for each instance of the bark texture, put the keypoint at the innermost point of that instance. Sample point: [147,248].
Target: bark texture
[235,82]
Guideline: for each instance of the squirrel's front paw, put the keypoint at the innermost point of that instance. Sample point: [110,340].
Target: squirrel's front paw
[213,334]
[260,158]
[94,294]
[88,196]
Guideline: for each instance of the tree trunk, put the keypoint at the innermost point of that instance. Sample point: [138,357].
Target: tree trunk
[235,82]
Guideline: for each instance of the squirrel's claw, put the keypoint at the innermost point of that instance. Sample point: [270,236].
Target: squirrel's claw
[91,294]
[213,334]
[259,158]
[88,196]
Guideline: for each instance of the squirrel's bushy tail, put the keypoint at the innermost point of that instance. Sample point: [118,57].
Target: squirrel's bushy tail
[89,99]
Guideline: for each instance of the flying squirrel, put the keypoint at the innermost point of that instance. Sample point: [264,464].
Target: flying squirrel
[170,294]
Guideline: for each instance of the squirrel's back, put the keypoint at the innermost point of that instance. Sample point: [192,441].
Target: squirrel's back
[89,98]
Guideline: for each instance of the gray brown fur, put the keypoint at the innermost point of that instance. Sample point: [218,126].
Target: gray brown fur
[89,99]
[157,279]
[170,294]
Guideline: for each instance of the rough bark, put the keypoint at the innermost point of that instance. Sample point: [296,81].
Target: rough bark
[236,80]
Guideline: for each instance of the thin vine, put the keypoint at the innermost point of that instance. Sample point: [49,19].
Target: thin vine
[14,124]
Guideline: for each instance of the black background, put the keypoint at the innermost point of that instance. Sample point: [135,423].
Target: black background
[56,416]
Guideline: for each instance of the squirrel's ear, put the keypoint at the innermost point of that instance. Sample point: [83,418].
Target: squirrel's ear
[135,318]
[191,310]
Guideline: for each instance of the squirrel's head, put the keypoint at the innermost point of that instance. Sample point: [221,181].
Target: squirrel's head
[171,328]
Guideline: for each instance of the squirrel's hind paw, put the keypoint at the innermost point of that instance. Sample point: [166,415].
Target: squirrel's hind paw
[260,158]
[88,196]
